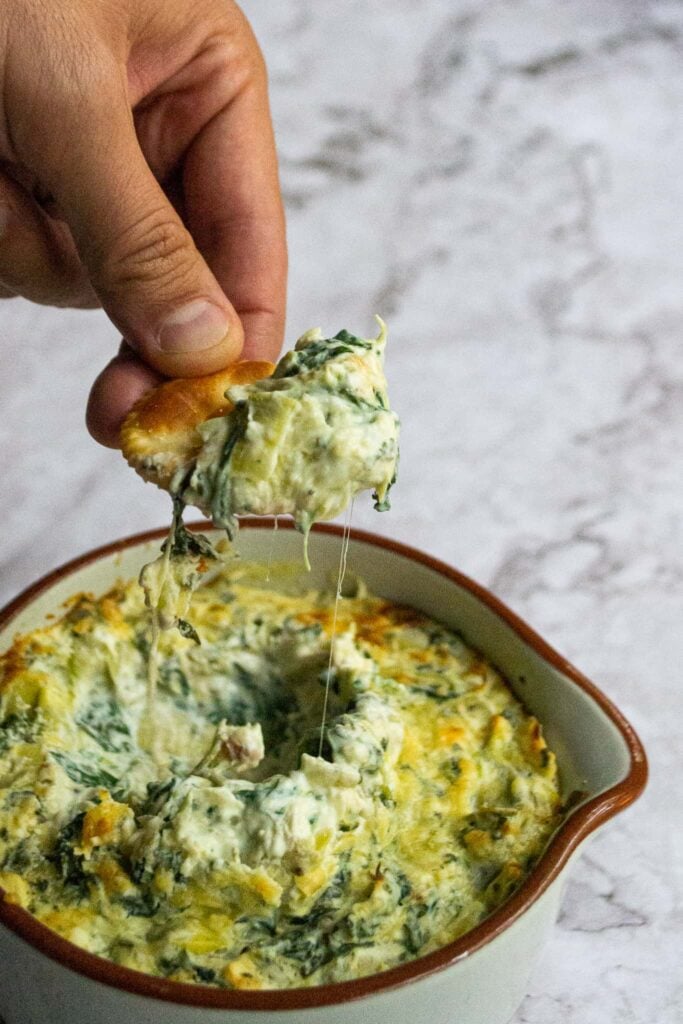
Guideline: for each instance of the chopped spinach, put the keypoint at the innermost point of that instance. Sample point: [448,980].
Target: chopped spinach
[18,858]
[17,796]
[142,642]
[491,821]
[311,949]
[329,901]
[21,727]
[70,864]
[433,692]
[351,339]
[184,541]
[316,353]
[451,767]
[405,887]
[85,772]
[244,676]
[413,936]
[173,680]
[258,924]
[384,504]
[357,401]
[483,874]
[104,721]
[221,512]
[183,962]
[249,796]
[188,631]
[157,793]
[180,962]
[206,974]
[141,905]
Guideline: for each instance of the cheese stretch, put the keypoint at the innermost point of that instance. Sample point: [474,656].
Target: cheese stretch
[236,856]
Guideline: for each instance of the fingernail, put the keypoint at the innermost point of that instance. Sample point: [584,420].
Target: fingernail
[192,328]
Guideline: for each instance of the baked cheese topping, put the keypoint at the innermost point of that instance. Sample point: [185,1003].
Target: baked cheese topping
[241,858]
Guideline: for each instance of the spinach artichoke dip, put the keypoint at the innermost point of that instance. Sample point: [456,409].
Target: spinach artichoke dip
[255,850]
[301,442]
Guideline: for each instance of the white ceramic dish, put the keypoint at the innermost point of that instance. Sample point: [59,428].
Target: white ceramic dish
[479,979]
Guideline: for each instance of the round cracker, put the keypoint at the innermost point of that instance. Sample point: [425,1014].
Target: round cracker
[159,435]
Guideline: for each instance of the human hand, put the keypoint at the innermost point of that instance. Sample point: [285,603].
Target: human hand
[138,172]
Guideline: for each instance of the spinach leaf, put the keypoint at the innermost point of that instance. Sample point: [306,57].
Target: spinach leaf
[173,680]
[221,508]
[381,504]
[357,401]
[83,773]
[21,727]
[157,793]
[351,339]
[18,858]
[142,905]
[205,974]
[184,541]
[104,721]
[69,864]
[258,925]
[188,631]
[433,692]
[183,962]
[142,643]
[178,962]
[384,504]
[313,947]
[310,949]
[317,353]
[413,936]
[328,902]
[491,821]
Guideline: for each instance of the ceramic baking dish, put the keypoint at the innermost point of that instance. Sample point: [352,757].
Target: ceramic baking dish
[479,979]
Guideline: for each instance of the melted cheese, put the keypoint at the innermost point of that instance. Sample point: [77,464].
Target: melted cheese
[302,442]
[242,858]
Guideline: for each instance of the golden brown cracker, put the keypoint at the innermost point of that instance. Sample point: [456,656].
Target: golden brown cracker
[159,434]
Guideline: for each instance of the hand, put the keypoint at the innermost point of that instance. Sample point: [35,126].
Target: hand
[138,171]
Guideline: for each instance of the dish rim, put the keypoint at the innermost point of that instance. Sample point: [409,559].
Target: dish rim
[571,833]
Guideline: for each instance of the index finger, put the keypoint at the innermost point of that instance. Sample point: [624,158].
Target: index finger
[234,208]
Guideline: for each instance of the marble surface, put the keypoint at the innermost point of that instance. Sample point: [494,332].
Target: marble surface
[501,181]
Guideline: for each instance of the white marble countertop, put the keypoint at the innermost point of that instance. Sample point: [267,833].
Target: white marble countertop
[502,182]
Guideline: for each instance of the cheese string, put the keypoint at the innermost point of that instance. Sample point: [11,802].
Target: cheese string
[343,555]
[147,736]
[147,733]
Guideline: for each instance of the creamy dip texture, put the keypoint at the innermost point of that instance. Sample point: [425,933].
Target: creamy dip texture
[303,442]
[237,856]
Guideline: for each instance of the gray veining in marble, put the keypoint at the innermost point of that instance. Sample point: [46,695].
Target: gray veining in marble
[502,182]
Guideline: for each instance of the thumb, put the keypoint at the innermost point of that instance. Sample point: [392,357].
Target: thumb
[142,262]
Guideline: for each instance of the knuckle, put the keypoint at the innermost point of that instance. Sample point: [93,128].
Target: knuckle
[251,60]
[236,51]
[155,248]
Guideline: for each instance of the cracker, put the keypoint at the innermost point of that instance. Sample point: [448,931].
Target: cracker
[159,436]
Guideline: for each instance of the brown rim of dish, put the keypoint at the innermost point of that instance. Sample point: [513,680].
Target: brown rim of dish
[580,823]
